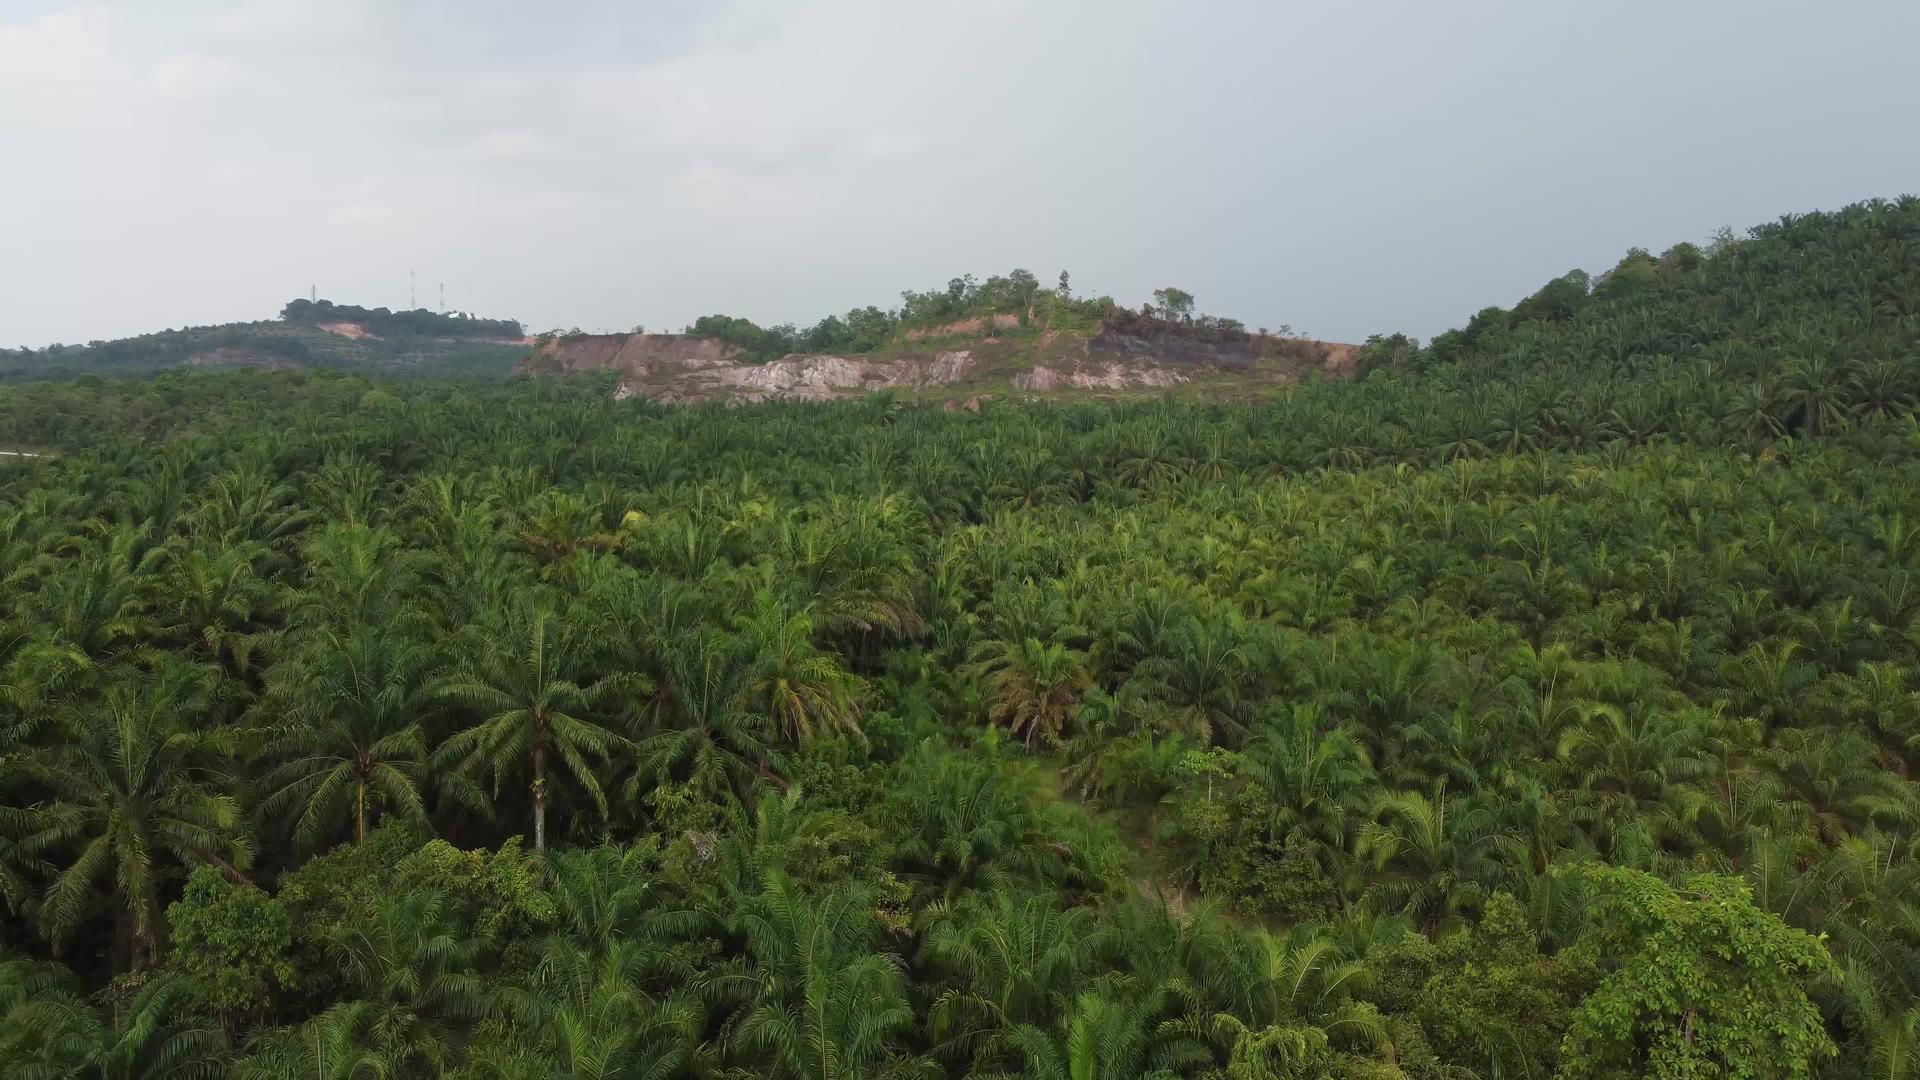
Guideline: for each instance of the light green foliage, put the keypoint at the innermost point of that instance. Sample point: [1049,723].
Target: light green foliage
[233,939]
[1698,983]
[491,895]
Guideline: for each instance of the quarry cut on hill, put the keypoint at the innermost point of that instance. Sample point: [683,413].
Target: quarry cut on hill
[981,356]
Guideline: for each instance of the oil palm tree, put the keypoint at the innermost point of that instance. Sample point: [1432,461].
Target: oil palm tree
[519,676]
[336,1045]
[133,794]
[706,731]
[1014,961]
[1103,1036]
[819,1000]
[351,706]
[1434,854]
[405,960]
[592,1021]
[1838,783]
[49,1030]
[1032,688]
[801,689]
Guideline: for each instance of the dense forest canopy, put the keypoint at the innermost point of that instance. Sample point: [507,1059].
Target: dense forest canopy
[1542,704]
[416,323]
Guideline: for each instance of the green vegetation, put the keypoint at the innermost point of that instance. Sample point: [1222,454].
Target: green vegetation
[1018,296]
[405,344]
[416,323]
[1545,703]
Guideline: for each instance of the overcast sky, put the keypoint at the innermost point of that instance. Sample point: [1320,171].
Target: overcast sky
[1344,167]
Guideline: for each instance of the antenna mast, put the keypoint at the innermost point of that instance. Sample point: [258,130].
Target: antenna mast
[412,300]
[443,298]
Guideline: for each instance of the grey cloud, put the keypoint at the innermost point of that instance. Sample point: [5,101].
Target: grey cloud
[1348,168]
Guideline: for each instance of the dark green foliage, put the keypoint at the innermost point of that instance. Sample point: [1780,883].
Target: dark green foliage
[416,323]
[760,344]
[1016,297]
[1545,703]
[266,345]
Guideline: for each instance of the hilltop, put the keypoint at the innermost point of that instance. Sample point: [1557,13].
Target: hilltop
[960,362]
[1004,336]
[371,341]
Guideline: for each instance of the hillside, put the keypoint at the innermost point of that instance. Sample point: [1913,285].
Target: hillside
[1542,701]
[955,362]
[415,344]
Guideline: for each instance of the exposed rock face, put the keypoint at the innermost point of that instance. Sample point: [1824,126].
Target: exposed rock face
[817,378]
[1146,340]
[676,367]
[1160,342]
[632,353]
[1098,376]
[1128,354]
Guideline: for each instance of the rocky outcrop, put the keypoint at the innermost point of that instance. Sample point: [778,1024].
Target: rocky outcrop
[630,353]
[1098,376]
[817,378]
[678,367]
[1133,354]
[1141,339]
[1155,341]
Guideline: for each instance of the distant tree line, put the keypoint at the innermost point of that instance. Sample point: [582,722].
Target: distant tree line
[865,329]
[1017,293]
[416,323]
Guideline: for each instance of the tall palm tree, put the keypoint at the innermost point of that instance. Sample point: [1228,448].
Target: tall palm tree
[800,688]
[350,728]
[707,733]
[132,789]
[1032,688]
[520,677]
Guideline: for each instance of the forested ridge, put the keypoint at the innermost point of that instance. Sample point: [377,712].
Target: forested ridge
[1542,703]
[392,344]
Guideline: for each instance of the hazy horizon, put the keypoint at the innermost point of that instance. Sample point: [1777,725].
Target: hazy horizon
[1366,168]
